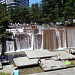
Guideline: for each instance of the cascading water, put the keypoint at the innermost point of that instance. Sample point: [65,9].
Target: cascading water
[61,43]
[10,46]
[23,41]
[71,37]
[37,41]
[64,39]
[58,38]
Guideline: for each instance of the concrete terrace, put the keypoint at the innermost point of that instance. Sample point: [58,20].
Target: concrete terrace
[69,71]
[35,69]
[8,69]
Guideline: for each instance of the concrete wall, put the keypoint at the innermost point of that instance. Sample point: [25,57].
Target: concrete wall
[59,37]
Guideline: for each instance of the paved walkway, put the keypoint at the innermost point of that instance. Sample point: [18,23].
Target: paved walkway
[8,69]
[69,71]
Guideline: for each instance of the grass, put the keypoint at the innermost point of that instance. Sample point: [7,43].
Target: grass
[2,73]
[34,69]
[30,70]
[73,61]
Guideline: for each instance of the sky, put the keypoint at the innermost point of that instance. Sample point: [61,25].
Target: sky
[34,1]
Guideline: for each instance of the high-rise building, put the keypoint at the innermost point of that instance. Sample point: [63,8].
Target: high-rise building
[14,3]
[2,1]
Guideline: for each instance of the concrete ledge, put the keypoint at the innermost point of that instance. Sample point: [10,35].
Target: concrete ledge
[24,61]
[39,53]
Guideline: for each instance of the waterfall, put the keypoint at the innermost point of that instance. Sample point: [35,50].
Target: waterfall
[61,38]
[10,46]
[64,39]
[58,38]
[23,41]
[71,37]
[38,41]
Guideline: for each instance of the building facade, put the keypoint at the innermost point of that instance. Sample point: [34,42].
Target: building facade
[14,3]
[2,1]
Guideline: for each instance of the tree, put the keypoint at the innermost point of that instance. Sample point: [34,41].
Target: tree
[35,12]
[69,12]
[4,16]
[20,14]
[50,9]
[26,14]
[4,19]
[4,23]
[16,14]
[58,10]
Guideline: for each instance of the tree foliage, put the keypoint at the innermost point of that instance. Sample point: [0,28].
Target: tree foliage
[4,19]
[54,10]
[69,9]
[26,14]
[4,16]
[35,12]
[45,12]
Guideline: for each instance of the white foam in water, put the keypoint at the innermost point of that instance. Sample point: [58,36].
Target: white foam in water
[10,46]
[24,41]
[59,40]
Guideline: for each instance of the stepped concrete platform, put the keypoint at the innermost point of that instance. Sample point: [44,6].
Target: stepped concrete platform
[48,65]
[64,55]
[24,61]
[45,53]
[39,53]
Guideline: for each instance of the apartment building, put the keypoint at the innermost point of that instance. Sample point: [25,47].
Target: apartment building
[14,3]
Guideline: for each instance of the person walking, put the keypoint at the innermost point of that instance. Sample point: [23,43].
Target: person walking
[16,72]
